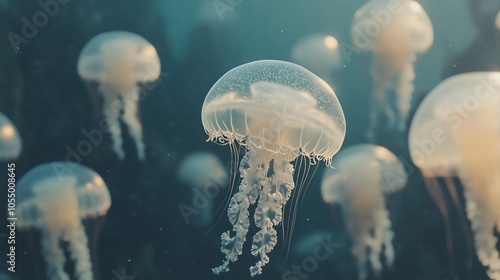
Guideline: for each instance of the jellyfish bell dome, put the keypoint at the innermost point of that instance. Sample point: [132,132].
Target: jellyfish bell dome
[119,57]
[55,203]
[431,138]
[318,52]
[202,169]
[80,185]
[277,106]
[405,19]
[365,159]
[10,141]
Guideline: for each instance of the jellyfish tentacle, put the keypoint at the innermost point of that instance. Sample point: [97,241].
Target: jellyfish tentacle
[269,213]
[252,169]
[80,254]
[55,265]
[129,117]
[112,107]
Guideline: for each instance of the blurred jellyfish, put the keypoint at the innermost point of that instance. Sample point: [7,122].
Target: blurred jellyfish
[204,173]
[118,61]
[456,132]
[10,141]
[318,53]
[55,203]
[277,111]
[395,31]
[497,20]
[363,175]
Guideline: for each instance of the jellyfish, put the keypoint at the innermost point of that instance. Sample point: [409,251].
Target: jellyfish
[362,200]
[318,53]
[456,133]
[276,111]
[54,198]
[395,31]
[119,61]
[497,20]
[10,141]
[205,174]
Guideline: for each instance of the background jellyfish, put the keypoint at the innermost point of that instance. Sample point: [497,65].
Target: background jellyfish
[318,53]
[203,171]
[118,61]
[455,132]
[10,141]
[395,31]
[277,111]
[363,175]
[53,198]
[497,20]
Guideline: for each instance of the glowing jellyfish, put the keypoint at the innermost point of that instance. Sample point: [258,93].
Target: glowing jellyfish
[363,174]
[395,31]
[10,141]
[277,111]
[205,173]
[456,132]
[318,53]
[119,61]
[53,198]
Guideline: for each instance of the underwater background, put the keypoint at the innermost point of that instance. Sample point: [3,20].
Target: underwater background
[144,235]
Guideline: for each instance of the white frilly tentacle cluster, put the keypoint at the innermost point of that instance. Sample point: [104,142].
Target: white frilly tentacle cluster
[267,178]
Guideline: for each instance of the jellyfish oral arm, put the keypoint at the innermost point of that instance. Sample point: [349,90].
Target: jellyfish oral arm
[273,197]
[112,107]
[404,91]
[80,253]
[130,119]
[55,264]
[272,193]
[237,212]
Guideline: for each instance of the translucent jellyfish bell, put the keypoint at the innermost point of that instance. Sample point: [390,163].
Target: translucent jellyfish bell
[456,132]
[276,110]
[395,31]
[318,53]
[10,141]
[55,203]
[362,200]
[205,174]
[119,61]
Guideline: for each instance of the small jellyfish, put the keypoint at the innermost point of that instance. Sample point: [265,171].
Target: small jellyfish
[54,198]
[205,174]
[10,141]
[395,31]
[363,174]
[318,53]
[118,61]
[456,133]
[277,111]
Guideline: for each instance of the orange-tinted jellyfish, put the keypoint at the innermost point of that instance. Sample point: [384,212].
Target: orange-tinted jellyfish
[456,133]
[395,32]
